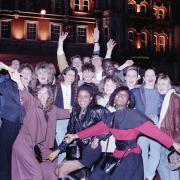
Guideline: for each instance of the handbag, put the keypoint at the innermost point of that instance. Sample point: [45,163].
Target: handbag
[109,163]
[74,151]
[37,153]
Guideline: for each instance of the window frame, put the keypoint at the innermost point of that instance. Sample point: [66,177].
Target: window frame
[77,34]
[26,30]
[5,20]
[50,30]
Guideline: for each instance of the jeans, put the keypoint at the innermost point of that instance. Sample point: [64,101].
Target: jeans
[151,151]
[61,129]
[164,172]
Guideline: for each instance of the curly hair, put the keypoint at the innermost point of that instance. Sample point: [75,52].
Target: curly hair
[130,96]
[50,100]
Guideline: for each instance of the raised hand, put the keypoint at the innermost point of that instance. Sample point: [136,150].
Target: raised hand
[62,37]
[129,62]
[96,34]
[110,44]
[4,66]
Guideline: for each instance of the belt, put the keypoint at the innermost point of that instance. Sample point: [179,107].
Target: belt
[122,145]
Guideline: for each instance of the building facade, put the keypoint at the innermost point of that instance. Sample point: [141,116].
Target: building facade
[144,30]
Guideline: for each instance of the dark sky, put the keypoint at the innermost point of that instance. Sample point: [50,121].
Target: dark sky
[176,11]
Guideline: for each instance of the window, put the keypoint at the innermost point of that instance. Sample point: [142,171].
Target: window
[59,6]
[144,37]
[5,28]
[55,31]
[31,30]
[162,43]
[131,39]
[76,5]
[106,34]
[131,9]
[155,42]
[81,34]
[143,10]
[86,5]
[161,14]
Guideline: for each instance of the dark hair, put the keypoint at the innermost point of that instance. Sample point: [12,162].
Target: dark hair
[26,65]
[89,88]
[50,100]
[65,71]
[88,67]
[164,76]
[126,89]
[75,56]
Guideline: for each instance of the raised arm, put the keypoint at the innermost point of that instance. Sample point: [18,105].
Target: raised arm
[110,46]
[61,58]
[62,113]
[128,63]
[96,50]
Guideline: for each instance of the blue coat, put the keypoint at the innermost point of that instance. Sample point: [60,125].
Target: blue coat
[12,109]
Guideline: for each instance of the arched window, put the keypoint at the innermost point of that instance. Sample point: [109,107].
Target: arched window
[143,9]
[155,11]
[155,41]
[131,38]
[86,5]
[144,38]
[76,5]
[162,43]
[161,14]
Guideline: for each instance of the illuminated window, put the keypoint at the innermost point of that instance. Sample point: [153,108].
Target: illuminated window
[143,9]
[161,13]
[76,5]
[55,31]
[5,26]
[155,42]
[144,37]
[131,39]
[31,30]
[86,5]
[162,43]
[81,34]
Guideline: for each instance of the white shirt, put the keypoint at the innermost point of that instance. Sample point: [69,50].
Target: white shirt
[66,92]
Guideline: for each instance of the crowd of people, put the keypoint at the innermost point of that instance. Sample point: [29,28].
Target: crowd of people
[95,120]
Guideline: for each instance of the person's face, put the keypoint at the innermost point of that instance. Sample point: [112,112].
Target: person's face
[131,78]
[163,86]
[77,63]
[86,59]
[121,99]
[109,87]
[52,69]
[88,76]
[108,68]
[69,77]
[43,95]
[150,78]
[42,76]
[96,61]
[84,99]
[26,76]
[15,64]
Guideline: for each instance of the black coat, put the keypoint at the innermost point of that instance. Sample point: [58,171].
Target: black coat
[92,116]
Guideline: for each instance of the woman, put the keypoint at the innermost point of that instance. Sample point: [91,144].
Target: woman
[12,114]
[85,114]
[38,129]
[65,92]
[126,124]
